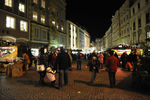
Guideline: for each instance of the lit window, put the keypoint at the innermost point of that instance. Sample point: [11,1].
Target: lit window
[21,7]
[8,3]
[42,18]
[62,29]
[43,3]
[148,34]
[57,26]
[53,22]
[35,16]
[10,22]
[23,26]
[44,34]
[35,1]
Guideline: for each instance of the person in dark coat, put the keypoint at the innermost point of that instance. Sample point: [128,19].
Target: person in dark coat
[63,62]
[50,59]
[79,62]
[124,59]
[43,60]
[94,65]
[133,59]
[30,57]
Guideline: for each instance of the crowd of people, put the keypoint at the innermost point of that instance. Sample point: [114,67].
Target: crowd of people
[61,62]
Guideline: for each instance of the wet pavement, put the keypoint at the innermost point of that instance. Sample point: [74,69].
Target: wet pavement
[28,88]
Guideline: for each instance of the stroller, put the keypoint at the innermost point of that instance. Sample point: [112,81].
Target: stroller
[51,75]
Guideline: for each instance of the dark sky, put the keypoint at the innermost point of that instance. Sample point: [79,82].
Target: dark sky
[94,15]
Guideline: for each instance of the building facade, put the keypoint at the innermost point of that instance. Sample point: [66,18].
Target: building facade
[77,37]
[131,24]
[125,23]
[81,38]
[14,25]
[86,42]
[72,35]
[139,22]
[39,23]
[116,29]
[57,20]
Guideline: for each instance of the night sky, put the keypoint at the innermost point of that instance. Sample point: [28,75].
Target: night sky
[94,15]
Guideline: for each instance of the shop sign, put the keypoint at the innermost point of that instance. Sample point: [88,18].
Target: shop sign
[8,53]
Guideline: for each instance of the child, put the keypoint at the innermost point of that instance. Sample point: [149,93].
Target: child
[51,75]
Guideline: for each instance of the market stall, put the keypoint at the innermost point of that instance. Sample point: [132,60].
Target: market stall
[9,62]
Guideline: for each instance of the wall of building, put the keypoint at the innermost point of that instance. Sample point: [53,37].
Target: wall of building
[130,24]
[13,11]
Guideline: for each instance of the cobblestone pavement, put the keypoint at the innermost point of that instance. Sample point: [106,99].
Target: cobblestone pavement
[28,88]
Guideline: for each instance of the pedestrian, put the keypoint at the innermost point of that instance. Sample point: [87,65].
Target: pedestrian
[50,59]
[79,62]
[124,59]
[133,59]
[43,60]
[116,55]
[139,58]
[112,64]
[69,53]
[54,56]
[35,61]
[101,57]
[26,61]
[63,62]
[94,67]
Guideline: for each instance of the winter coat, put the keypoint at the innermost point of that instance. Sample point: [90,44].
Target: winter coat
[94,65]
[101,56]
[43,60]
[63,60]
[26,58]
[112,63]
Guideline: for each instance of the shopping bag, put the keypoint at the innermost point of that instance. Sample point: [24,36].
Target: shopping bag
[50,76]
[40,68]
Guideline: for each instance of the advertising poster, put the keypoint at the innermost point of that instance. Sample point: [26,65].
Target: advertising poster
[8,53]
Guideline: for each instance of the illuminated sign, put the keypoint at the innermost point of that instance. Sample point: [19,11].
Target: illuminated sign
[8,53]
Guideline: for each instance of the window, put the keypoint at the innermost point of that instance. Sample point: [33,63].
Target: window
[147,17]
[21,7]
[23,26]
[44,35]
[139,22]
[36,33]
[8,3]
[146,1]
[10,22]
[148,34]
[35,1]
[138,5]
[42,19]
[133,11]
[35,16]
[57,26]
[43,3]
[53,22]
[134,26]
[62,29]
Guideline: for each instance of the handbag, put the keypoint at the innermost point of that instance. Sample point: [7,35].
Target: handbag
[40,68]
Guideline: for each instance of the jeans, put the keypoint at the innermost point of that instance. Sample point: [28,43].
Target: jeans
[101,65]
[65,77]
[42,75]
[112,78]
[93,76]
